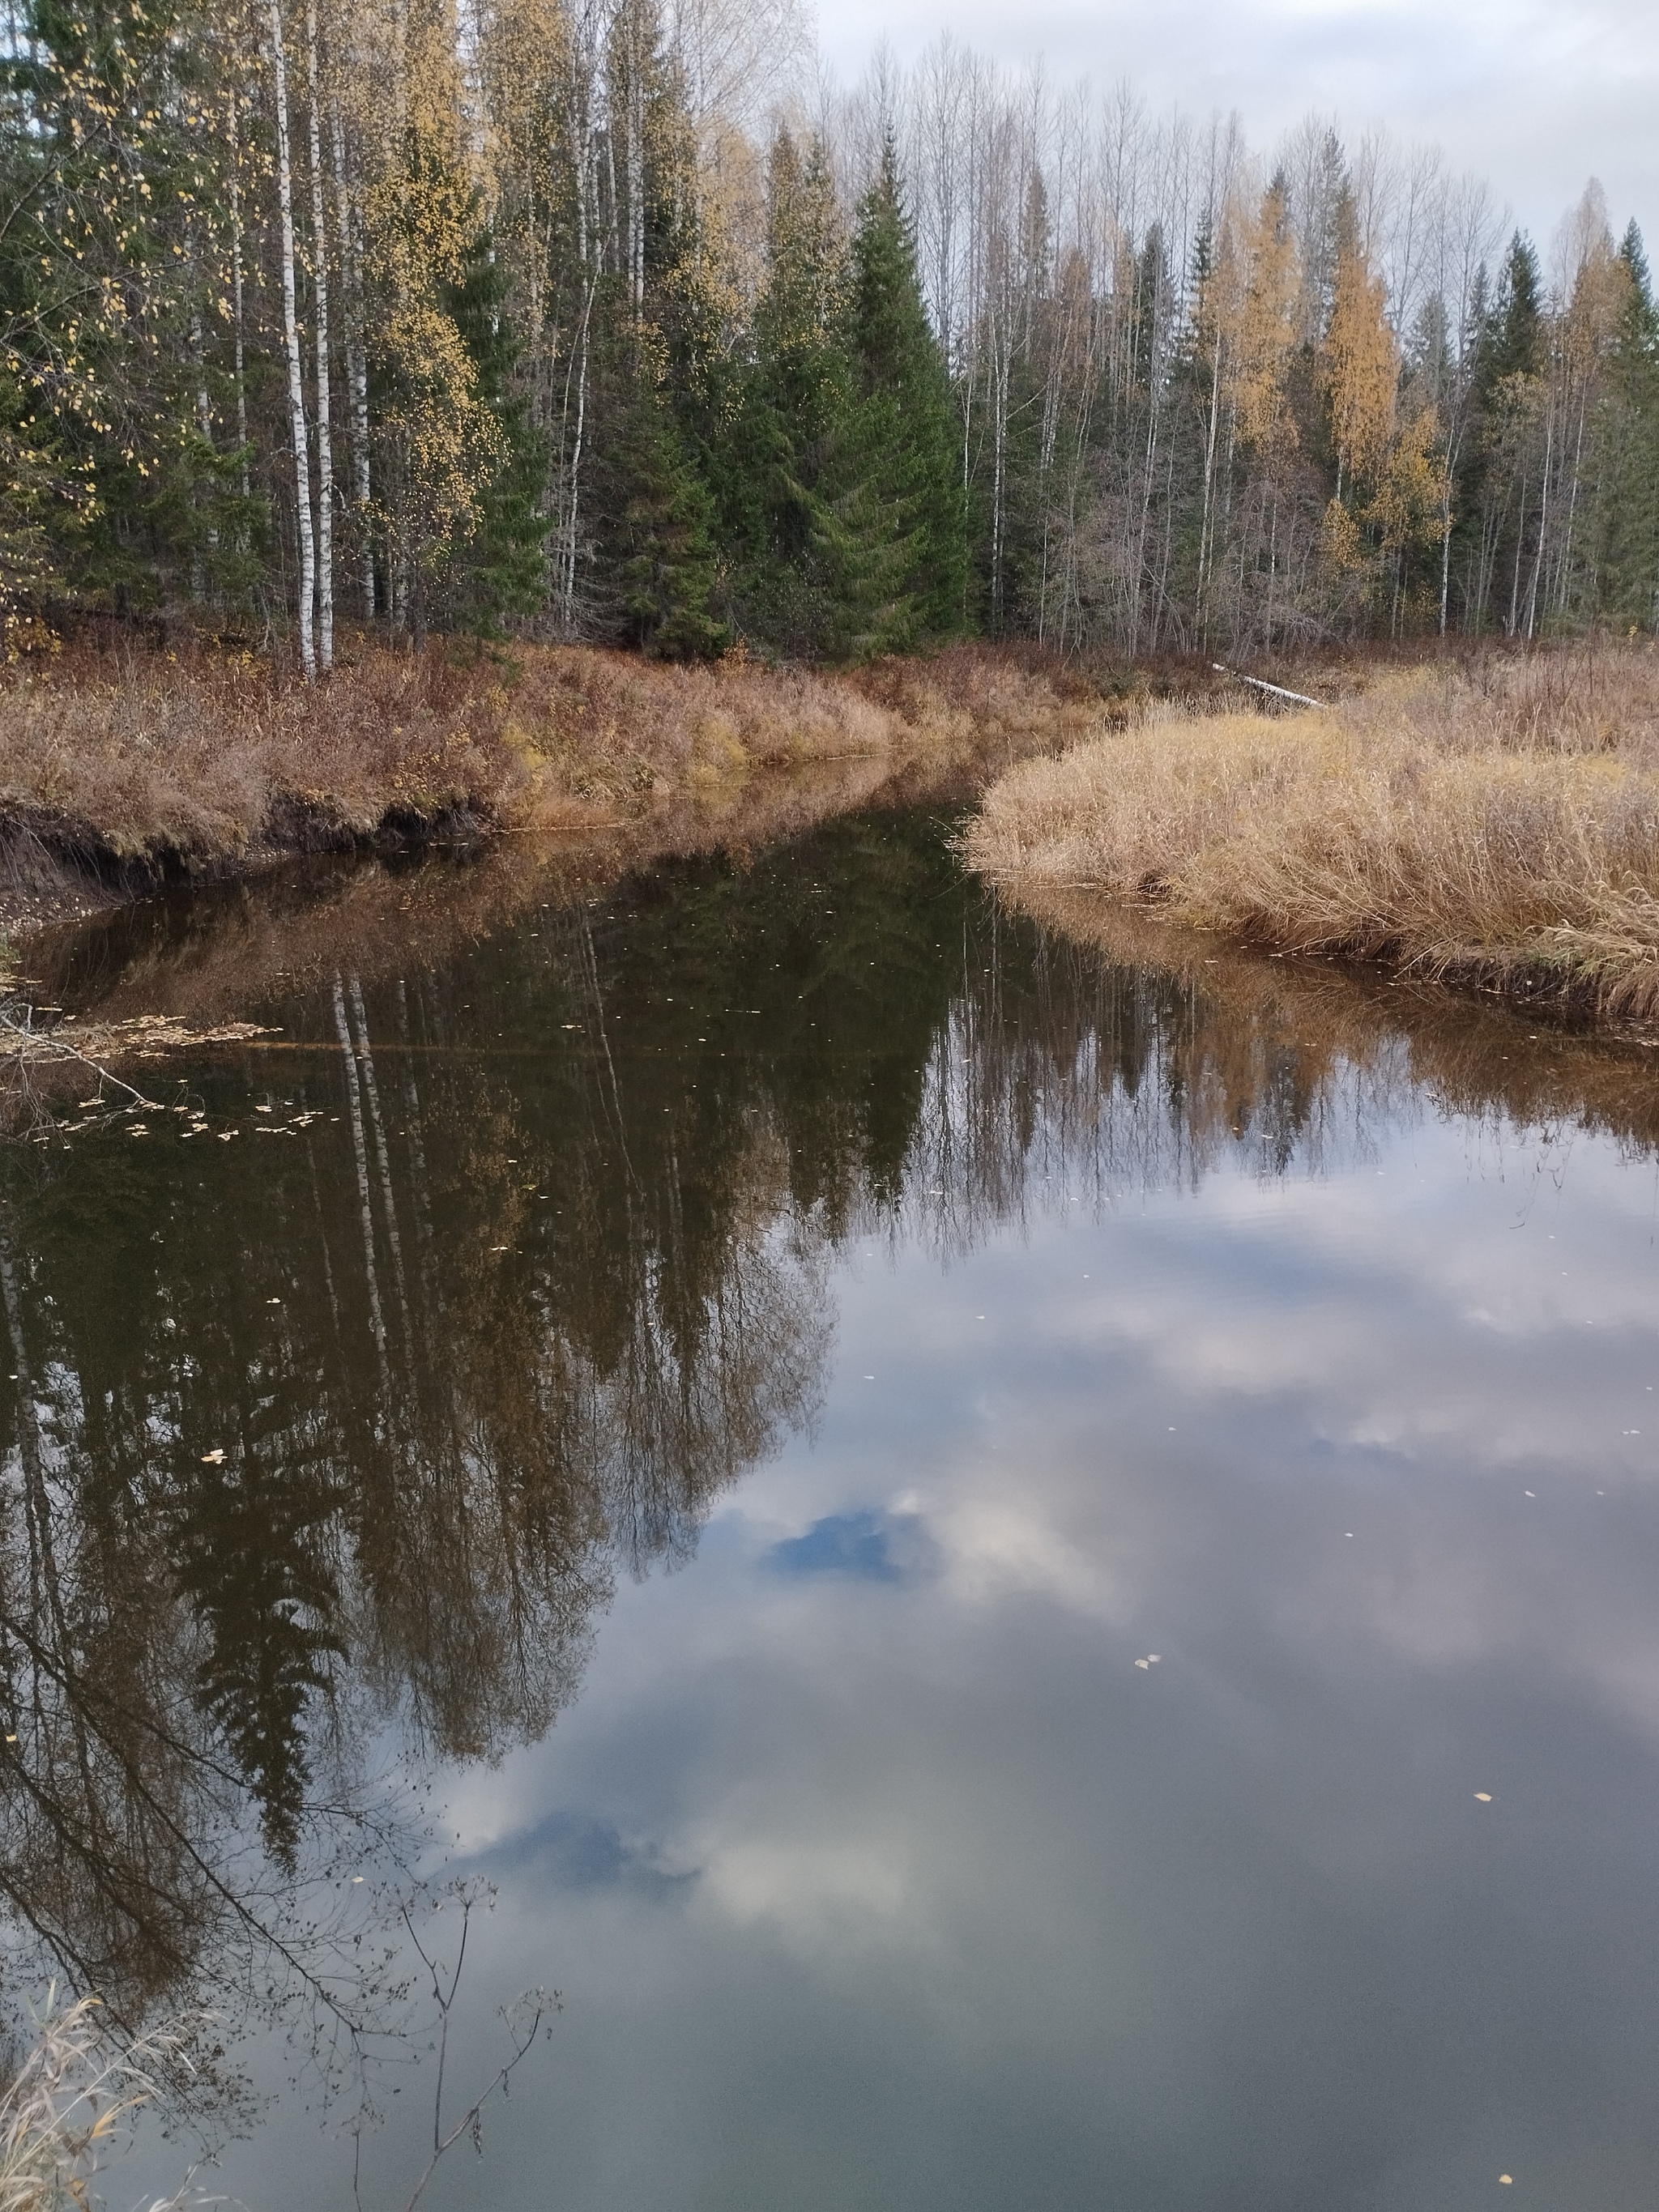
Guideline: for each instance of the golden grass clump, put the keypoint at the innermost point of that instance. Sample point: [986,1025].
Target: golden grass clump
[1496,820]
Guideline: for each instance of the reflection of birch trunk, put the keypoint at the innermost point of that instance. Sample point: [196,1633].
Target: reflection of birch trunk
[591,962]
[372,1095]
[320,289]
[28,1417]
[322,1239]
[360,1149]
[43,1554]
[296,383]
[431,1283]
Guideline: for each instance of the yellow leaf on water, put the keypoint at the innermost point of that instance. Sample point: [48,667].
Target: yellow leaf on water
[1483,1797]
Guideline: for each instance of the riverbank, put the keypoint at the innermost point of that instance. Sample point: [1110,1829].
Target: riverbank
[1491,821]
[121,769]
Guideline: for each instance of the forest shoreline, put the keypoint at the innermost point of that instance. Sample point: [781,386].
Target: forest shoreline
[125,770]
[1490,823]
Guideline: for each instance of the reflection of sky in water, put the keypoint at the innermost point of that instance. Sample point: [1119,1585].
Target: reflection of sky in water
[872,1871]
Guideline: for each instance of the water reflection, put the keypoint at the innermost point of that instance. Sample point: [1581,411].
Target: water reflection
[338,1400]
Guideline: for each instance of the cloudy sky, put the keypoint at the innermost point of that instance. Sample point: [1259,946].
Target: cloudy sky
[1536,96]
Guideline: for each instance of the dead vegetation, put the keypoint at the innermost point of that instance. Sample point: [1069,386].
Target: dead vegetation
[127,764]
[67,2113]
[1494,820]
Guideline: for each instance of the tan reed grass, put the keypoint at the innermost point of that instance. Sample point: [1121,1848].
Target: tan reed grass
[67,2112]
[202,754]
[1494,820]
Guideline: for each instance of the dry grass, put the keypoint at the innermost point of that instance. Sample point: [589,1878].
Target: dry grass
[1496,820]
[194,752]
[66,2113]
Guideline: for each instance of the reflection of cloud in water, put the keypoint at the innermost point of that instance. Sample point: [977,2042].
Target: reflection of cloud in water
[869,1546]
[568,1252]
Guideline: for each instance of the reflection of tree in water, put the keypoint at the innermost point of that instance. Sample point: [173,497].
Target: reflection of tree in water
[350,1419]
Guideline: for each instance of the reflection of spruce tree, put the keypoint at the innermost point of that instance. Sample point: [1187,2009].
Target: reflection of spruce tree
[250,1566]
[892,530]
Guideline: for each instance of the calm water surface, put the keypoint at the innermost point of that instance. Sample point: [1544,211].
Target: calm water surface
[690,1399]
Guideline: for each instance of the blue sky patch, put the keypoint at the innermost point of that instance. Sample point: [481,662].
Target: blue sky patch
[875,1547]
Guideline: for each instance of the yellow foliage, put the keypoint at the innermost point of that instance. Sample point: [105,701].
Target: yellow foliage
[1258,311]
[1410,506]
[1359,370]
[1341,544]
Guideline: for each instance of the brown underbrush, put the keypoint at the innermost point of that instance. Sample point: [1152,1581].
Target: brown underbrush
[1492,820]
[126,761]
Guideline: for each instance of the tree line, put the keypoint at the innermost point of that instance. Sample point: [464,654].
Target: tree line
[596,319]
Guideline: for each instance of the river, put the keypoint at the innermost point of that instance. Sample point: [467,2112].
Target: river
[1019,1556]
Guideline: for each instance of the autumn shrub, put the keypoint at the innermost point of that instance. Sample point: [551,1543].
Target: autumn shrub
[1495,819]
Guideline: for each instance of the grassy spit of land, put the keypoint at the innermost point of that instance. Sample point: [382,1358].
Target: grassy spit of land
[118,766]
[1491,820]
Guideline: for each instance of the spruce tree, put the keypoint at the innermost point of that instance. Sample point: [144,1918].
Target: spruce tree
[797,392]
[1513,332]
[500,576]
[655,405]
[1627,453]
[892,533]
[654,529]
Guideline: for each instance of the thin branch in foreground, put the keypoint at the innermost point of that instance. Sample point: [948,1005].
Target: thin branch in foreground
[524,2019]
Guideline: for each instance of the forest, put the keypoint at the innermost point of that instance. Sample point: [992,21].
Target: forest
[613,321]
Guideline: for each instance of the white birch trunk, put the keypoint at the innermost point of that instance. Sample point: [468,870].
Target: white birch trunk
[296,387]
[320,289]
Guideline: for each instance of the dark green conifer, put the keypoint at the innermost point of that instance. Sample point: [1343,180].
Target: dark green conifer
[797,392]
[892,532]
[653,515]
[501,575]
[1627,453]
[1512,335]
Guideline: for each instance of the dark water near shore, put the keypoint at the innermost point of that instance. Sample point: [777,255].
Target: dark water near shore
[688,1401]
